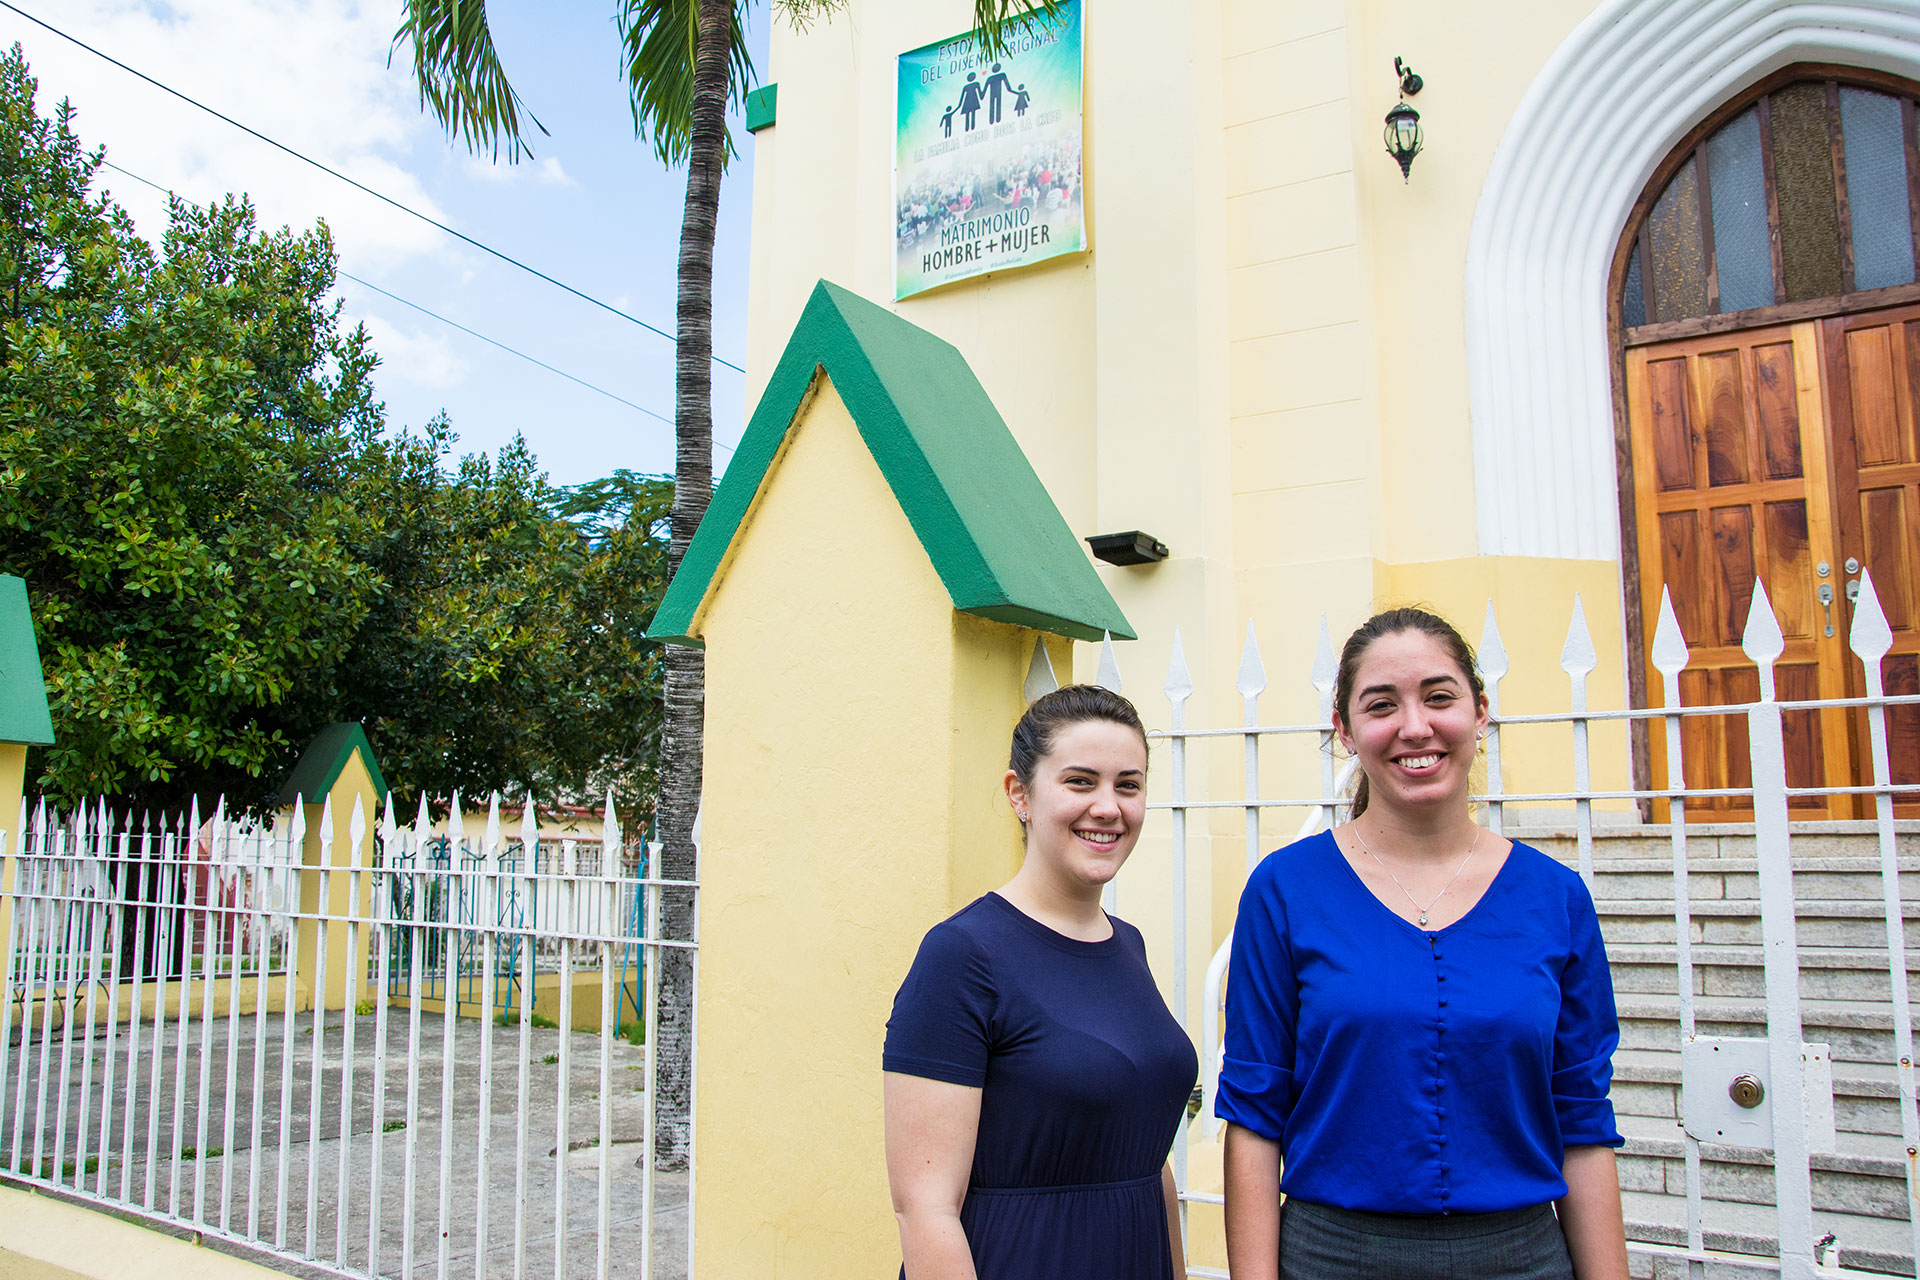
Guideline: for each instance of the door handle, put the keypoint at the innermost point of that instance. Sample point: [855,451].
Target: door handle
[1853,589]
[1826,603]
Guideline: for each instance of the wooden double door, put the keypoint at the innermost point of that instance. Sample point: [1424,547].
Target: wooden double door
[1790,454]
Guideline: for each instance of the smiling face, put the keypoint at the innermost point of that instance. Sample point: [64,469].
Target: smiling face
[1084,803]
[1413,720]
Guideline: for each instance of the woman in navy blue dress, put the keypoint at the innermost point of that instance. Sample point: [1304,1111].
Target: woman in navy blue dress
[1420,1019]
[1035,1079]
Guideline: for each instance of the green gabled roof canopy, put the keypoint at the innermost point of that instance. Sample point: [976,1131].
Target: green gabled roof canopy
[997,541]
[23,687]
[321,763]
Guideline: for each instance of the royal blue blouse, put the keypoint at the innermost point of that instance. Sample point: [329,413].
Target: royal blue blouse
[1404,1070]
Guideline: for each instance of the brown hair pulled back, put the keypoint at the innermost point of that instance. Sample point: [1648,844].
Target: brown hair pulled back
[1033,737]
[1393,622]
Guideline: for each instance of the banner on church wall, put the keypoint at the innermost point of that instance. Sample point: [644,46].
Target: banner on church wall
[986,172]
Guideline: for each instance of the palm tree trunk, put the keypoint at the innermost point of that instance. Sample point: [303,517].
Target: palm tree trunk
[686,666]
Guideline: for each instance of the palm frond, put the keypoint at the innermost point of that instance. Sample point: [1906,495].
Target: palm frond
[657,43]
[460,77]
[996,21]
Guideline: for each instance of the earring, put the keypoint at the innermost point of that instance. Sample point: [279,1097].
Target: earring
[1021,814]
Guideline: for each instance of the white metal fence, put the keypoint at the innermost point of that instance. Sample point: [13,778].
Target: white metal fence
[1792,1132]
[205,1032]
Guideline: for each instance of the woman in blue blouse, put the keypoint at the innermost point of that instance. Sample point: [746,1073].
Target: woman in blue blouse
[1420,1020]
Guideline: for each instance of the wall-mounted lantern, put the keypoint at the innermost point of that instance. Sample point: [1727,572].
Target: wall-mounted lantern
[1403,135]
[1131,547]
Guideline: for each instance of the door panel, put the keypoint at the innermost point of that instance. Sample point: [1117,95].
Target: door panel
[1873,367]
[1731,483]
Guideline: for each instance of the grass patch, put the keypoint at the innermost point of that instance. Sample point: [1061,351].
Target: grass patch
[190,1153]
[68,1169]
[364,1008]
[393,1125]
[506,1018]
[552,1059]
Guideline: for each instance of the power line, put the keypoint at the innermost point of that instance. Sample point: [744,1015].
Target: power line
[503,346]
[474,333]
[411,212]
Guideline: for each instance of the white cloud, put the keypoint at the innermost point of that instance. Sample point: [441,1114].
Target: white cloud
[546,171]
[426,360]
[311,74]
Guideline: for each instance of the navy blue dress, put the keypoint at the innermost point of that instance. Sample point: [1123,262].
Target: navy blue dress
[1083,1075]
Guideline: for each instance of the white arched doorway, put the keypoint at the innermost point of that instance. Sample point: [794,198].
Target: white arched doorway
[1607,108]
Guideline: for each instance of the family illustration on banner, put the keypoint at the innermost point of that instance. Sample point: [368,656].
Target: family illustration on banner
[991,90]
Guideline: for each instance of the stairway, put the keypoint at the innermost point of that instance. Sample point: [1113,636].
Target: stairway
[1860,1192]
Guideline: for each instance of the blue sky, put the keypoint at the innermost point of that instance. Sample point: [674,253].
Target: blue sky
[593,208]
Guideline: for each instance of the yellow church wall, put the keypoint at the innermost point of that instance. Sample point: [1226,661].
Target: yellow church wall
[838,760]
[1477,62]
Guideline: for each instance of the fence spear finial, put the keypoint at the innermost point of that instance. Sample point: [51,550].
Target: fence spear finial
[1251,678]
[492,837]
[1670,656]
[1762,640]
[1108,676]
[1577,656]
[1326,669]
[1870,637]
[1040,678]
[357,832]
[529,833]
[1491,657]
[609,835]
[1179,686]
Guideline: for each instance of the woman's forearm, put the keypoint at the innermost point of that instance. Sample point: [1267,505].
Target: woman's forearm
[1175,1239]
[1253,1205]
[1590,1214]
[933,1246]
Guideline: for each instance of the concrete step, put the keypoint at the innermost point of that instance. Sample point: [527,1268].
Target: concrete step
[1867,1243]
[1843,922]
[1857,1033]
[1704,841]
[1826,973]
[1737,879]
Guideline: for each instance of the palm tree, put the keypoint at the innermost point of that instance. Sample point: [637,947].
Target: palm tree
[685,60]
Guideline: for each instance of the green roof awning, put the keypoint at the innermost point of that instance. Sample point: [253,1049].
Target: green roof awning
[23,687]
[321,763]
[1000,546]
[761,104]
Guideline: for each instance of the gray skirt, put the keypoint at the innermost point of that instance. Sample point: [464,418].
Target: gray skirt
[1322,1243]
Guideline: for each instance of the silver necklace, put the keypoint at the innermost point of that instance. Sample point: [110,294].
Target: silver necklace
[1474,844]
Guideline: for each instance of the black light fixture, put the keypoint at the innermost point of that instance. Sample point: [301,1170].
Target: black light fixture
[1403,135]
[1131,547]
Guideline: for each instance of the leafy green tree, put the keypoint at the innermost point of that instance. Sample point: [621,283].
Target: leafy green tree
[172,429]
[225,550]
[684,60]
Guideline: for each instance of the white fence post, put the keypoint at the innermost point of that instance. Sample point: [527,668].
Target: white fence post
[1870,638]
[1491,661]
[1792,1173]
[1670,658]
[1577,659]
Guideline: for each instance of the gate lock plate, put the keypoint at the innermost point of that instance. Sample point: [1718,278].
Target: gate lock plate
[1727,1094]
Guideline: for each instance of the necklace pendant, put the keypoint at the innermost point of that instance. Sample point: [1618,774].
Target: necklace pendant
[1423,919]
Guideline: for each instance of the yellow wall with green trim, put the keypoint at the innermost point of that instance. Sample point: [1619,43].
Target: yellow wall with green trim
[13,774]
[856,732]
[1263,359]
